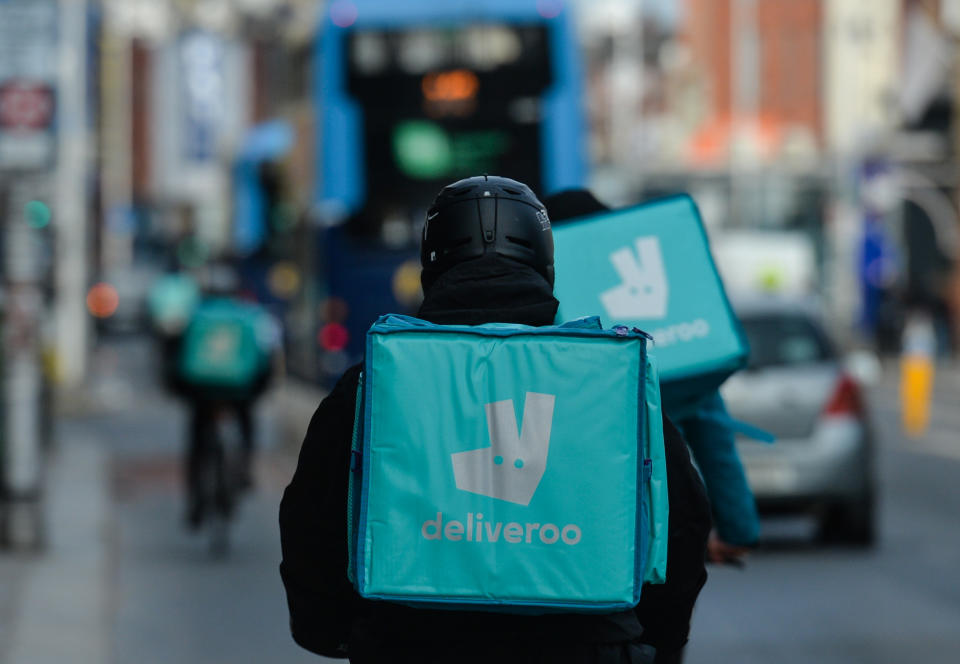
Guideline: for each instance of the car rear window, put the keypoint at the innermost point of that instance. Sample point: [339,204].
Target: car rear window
[785,340]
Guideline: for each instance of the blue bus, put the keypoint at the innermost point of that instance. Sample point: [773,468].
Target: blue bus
[409,97]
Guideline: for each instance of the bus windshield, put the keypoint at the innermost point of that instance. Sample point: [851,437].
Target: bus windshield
[444,103]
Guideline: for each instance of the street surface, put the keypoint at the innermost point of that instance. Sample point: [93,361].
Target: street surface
[154,594]
[122,581]
[796,602]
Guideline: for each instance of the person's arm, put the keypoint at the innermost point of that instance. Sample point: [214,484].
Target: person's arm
[170,348]
[664,610]
[714,448]
[313,528]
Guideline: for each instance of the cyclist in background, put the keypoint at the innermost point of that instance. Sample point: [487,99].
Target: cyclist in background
[220,364]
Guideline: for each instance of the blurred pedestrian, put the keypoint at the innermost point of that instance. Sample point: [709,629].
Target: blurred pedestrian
[329,618]
[707,428]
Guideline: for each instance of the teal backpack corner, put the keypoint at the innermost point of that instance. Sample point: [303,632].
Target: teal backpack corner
[650,266]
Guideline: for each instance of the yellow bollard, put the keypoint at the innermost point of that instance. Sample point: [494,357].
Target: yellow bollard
[917,375]
[916,388]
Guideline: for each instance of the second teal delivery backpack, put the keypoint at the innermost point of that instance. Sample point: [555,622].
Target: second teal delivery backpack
[507,467]
[650,266]
[223,347]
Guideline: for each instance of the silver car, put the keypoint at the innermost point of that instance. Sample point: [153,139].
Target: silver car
[796,388]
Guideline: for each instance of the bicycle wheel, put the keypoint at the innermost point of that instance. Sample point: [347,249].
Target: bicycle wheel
[227,481]
[210,491]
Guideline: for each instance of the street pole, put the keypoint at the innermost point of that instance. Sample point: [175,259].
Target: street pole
[22,523]
[744,101]
[626,88]
[70,202]
[951,19]
[30,51]
[116,249]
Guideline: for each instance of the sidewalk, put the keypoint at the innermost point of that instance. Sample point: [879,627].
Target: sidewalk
[54,606]
[14,571]
[120,580]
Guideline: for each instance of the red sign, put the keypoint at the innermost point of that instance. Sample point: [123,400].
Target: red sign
[26,105]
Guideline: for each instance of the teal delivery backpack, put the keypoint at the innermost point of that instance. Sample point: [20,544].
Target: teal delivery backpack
[650,266]
[507,468]
[222,346]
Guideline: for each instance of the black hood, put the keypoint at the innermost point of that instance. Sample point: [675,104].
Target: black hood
[491,289]
[572,204]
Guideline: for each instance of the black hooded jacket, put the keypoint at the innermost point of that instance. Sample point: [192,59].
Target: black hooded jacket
[329,618]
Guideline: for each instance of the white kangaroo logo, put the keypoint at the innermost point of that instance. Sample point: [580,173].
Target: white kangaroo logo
[643,291]
[512,467]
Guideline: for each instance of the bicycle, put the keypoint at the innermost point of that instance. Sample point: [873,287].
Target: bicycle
[221,476]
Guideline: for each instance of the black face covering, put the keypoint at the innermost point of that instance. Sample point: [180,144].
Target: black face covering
[490,289]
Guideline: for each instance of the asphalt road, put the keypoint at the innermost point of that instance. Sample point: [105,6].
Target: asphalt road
[900,602]
[167,601]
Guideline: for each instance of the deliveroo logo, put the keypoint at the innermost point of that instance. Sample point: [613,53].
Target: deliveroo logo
[643,290]
[512,467]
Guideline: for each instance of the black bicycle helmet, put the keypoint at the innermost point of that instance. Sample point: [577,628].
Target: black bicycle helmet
[483,214]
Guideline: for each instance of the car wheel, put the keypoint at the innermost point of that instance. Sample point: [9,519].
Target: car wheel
[851,522]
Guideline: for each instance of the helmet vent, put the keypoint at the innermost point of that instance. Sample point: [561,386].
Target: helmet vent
[520,241]
[512,192]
